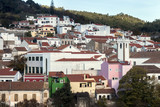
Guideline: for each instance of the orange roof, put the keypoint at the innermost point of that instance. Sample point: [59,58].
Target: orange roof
[62,47]
[77,59]
[136,45]
[78,78]
[56,74]
[45,44]
[98,78]
[7,71]
[30,43]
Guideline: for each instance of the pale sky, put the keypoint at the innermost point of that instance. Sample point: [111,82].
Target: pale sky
[147,10]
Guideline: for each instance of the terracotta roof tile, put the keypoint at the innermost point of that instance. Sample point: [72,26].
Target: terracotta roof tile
[150,68]
[18,86]
[7,71]
[56,74]
[77,59]
[78,78]
[105,91]
[62,47]
[20,48]
[98,78]
[45,44]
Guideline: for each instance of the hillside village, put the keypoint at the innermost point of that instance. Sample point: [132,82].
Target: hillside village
[92,58]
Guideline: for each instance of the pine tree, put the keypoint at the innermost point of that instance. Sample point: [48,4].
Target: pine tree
[52,8]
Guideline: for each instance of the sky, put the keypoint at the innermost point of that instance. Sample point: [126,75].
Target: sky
[147,10]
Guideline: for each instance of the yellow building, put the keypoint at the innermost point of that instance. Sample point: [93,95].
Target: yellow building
[14,92]
[85,83]
[43,31]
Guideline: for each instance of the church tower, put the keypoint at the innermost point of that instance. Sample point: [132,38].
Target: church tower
[123,49]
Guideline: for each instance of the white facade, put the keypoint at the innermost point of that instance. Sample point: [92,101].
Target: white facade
[7,57]
[54,41]
[63,29]
[123,49]
[47,20]
[29,47]
[11,37]
[30,18]
[65,21]
[48,61]
[93,29]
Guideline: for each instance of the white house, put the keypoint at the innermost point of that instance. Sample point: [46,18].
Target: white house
[63,29]
[19,51]
[7,55]
[65,21]
[94,29]
[29,45]
[47,20]
[9,74]
[65,59]
[10,40]
[54,41]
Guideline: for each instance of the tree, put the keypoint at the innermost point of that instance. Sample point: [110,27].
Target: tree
[50,35]
[28,103]
[136,90]
[18,63]
[63,97]
[28,34]
[102,102]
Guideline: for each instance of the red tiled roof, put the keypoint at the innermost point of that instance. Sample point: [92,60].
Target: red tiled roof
[46,26]
[62,47]
[105,91]
[7,71]
[78,78]
[100,40]
[20,48]
[30,43]
[100,37]
[97,56]
[56,74]
[45,44]
[18,86]
[44,51]
[77,59]
[84,52]
[98,78]
[136,45]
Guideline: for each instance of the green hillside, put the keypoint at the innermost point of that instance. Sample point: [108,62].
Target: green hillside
[13,10]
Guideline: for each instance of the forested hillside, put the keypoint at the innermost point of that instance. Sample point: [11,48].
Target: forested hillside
[13,10]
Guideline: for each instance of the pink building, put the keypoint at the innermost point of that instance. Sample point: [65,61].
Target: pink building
[113,71]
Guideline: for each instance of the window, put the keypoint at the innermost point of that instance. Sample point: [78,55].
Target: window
[24,96]
[99,96]
[40,80]
[33,70]
[27,80]
[41,70]
[89,84]
[149,77]
[16,97]
[33,59]
[126,45]
[120,46]
[29,69]
[134,63]
[41,58]
[110,69]
[29,58]
[34,80]
[37,70]
[158,77]
[45,94]
[34,96]
[3,98]
[37,58]
[62,81]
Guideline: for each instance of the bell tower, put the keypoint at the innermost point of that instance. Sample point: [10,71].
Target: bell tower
[123,49]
